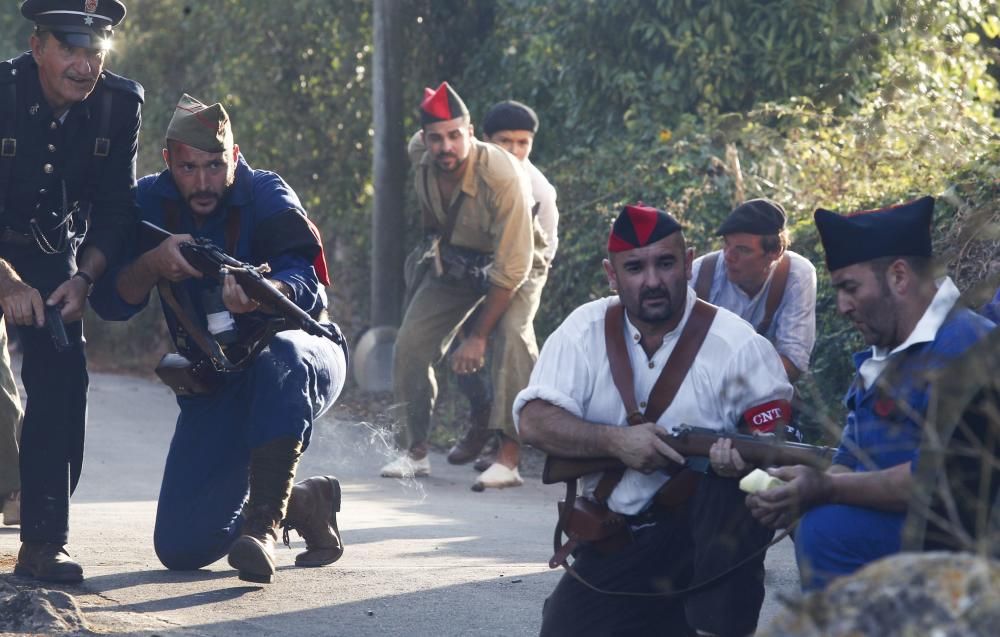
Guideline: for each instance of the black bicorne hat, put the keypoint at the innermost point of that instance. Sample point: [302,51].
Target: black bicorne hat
[903,230]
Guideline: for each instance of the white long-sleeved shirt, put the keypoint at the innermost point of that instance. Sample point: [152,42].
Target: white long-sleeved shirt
[735,370]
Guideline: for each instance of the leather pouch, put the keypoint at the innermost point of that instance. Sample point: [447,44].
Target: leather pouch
[593,524]
[466,267]
[187,378]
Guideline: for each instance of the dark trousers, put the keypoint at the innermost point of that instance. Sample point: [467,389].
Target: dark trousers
[710,534]
[55,384]
[294,380]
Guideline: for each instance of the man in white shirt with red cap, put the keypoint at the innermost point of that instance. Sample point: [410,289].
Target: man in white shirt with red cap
[573,408]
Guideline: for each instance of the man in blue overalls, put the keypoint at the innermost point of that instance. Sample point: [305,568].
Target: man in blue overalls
[236,448]
[881,267]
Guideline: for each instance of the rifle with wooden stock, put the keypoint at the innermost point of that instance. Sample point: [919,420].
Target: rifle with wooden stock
[277,313]
[211,261]
[762,451]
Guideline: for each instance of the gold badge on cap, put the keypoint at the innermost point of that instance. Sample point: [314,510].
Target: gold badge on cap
[90,6]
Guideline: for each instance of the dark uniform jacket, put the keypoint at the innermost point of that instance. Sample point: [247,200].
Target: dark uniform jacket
[59,166]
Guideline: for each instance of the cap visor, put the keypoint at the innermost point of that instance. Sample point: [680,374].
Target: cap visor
[84,39]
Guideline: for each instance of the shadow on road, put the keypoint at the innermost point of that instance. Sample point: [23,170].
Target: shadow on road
[181,601]
[466,609]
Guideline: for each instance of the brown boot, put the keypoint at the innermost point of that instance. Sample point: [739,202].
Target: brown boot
[272,469]
[48,562]
[312,512]
[470,444]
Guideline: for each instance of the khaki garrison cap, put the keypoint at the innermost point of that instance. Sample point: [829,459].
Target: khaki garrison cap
[203,127]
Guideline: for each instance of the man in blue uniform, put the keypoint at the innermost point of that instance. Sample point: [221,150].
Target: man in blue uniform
[880,265]
[227,485]
[69,133]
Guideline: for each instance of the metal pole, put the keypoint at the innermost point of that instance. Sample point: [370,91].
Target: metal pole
[389,167]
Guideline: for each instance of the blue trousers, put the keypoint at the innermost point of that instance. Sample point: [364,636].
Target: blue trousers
[294,380]
[836,540]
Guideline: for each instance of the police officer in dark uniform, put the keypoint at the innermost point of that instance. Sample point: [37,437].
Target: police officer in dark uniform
[67,207]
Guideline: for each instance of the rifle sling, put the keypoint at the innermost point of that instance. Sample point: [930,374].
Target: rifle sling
[182,310]
[451,212]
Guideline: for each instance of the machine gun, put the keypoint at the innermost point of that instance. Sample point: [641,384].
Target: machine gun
[696,441]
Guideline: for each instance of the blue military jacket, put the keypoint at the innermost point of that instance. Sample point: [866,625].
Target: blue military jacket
[273,229]
[51,153]
[884,422]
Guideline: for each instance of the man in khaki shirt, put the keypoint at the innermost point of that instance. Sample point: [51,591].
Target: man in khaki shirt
[475,202]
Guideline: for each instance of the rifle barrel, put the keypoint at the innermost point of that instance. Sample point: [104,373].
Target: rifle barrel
[693,441]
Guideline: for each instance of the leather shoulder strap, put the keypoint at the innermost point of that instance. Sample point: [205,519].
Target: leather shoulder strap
[674,372]
[776,292]
[706,274]
[8,134]
[621,365]
[681,359]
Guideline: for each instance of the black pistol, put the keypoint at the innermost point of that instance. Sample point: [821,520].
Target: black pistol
[56,327]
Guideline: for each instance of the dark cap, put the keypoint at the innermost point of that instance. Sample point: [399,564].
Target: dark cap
[84,23]
[757,216]
[510,115]
[639,225]
[441,105]
[903,230]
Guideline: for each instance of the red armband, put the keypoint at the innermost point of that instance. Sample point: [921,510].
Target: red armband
[764,418]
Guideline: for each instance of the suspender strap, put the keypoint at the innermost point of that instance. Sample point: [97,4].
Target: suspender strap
[667,385]
[8,143]
[706,274]
[776,292]
[102,148]
[232,229]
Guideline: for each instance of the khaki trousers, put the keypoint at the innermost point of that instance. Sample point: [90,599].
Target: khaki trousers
[432,321]
[10,421]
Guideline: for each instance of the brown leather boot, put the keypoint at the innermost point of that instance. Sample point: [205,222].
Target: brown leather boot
[272,469]
[48,562]
[312,512]
[470,444]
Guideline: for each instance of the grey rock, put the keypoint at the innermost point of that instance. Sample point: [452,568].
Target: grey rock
[907,595]
[39,611]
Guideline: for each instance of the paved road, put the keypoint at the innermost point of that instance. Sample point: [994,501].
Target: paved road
[422,558]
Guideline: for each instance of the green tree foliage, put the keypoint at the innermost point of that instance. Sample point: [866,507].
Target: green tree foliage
[851,106]
[844,104]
